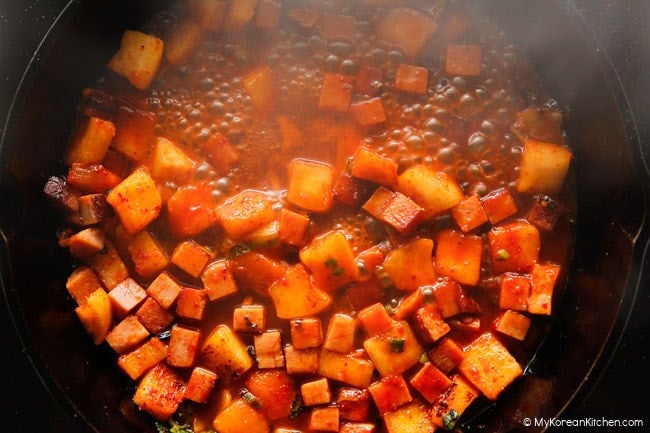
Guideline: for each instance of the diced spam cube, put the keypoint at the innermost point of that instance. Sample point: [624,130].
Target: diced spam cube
[170,163]
[395,209]
[544,213]
[91,141]
[316,392]
[389,393]
[352,370]
[208,13]
[542,283]
[149,258]
[224,353]
[140,360]
[136,200]
[81,283]
[183,346]
[514,291]
[353,403]
[464,60]
[190,257]
[249,318]
[469,214]
[109,266]
[451,298]
[406,29]
[296,296]
[489,366]
[238,417]
[261,87]
[164,289]
[434,191]
[218,280]
[182,41]
[336,92]
[275,390]
[375,319]
[245,212]
[514,247]
[293,227]
[452,403]
[410,418]
[153,317]
[138,58]
[512,324]
[429,323]
[160,392]
[330,260]
[459,256]
[409,304]
[340,333]
[324,419]
[499,205]
[413,79]
[543,167]
[91,178]
[411,265]
[125,297]
[86,242]
[310,185]
[191,303]
[301,361]
[369,112]
[268,349]
[306,332]
[430,382]
[255,271]
[191,210]
[200,385]
[93,209]
[127,334]
[395,351]
[95,315]
[446,355]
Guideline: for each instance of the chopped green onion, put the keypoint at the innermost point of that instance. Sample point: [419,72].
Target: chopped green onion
[396,345]
[449,419]
[332,264]
[297,406]
[250,399]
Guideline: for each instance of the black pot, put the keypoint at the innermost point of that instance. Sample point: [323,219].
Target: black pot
[571,44]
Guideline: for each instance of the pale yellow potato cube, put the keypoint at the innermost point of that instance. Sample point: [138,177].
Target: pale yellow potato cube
[543,167]
[224,353]
[169,162]
[410,418]
[394,351]
[182,41]
[138,58]
[208,13]
[136,200]
[435,191]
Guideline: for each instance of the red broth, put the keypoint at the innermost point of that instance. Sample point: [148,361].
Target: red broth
[317,216]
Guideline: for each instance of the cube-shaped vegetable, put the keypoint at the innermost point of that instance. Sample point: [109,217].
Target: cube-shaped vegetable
[183,346]
[542,284]
[311,185]
[336,92]
[316,392]
[512,324]
[135,133]
[451,298]
[170,163]
[95,315]
[260,84]
[452,403]
[275,390]
[127,334]
[413,79]
[436,192]
[293,227]
[353,403]
[306,332]
[459,256]
[301,361]
[136,200]
[190,257]
[357,427]
[245,212]
[349,369]
[389,393]
[514,247]
[164,289]
[296,296]
[409,305]
[154,317]
[469,214]
[191,210]
[138,58]
[255,271]
[81,283]
[543,167]
[410,418]
[140,360]
[411,265]
[394,351]
[160,392]
[324,419]
[268,349]
[514,291]
[369,165]
[208,13]
[249,318]
[430,382]
[182,41]
[86,242]
[375,319]
[238,417]
[109,266]
[330,260]
[446,354]
[406,29]
[90,142]
[149,258]
[464,60]
[340,333]
[489,366]
[224,353]
[499,205]
[124,297]
[368,112]
[200,385]
[191,303]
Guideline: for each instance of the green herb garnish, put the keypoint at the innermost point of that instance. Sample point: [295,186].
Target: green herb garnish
[449,419]
[332,264]
[297,406]
[396,345]
[250,399]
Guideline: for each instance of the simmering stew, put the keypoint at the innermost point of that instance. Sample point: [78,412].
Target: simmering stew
[292,216]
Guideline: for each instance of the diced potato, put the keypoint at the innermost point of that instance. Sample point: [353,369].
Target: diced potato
[406,29]
[200,385]
[316,392]
[86,242]
[135,133]
[249,318]
[125,297]
[489,366]
[164,289]
[224,353]
[182,41]
[301,361]
[353,403]
[183,346]
[350,369]
[469,214]
[256,271]
[81,283]
[324,419]
[512,324]
[330,260]
[340,333]
[239,417]
[191,257]
[434,191]
[154,317]
[542,283]
[452,403]
[514,247]
[429,324]
[149,258]
[543,167]
[306,332]
[169,162]
[191,210]
[260,85]
[369,165]
[138,58]
[336,93]
[208,13]
[409,304]
[410,418]
[514,291]
[268,349]
[464,60]
[375,320]
[293,227]
[368,112]
[296,296]
[357,427]
[160,392]
[275,390]
[413,79]
[109,266]
[446,355]
[95,315]
[394,351]
[136,200]
[191,303]
[245,212]
[411,265]
[240,13]
[430,382]
[389,393]
[127,334]
[310,185]
[140,360]
[459,256]
[90,142]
